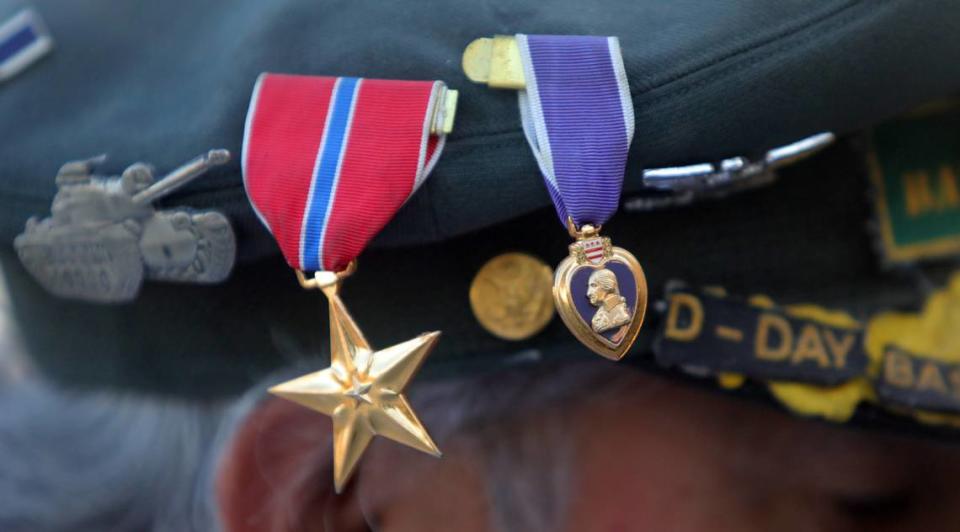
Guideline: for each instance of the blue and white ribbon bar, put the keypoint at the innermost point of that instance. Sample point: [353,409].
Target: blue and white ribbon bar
[578,118]
[24,39]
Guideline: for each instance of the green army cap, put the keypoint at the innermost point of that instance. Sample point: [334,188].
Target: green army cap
[708,83]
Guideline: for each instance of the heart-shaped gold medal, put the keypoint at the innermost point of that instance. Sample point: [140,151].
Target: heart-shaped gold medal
[601,294]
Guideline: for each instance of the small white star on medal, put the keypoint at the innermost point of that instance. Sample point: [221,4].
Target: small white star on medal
[362,392]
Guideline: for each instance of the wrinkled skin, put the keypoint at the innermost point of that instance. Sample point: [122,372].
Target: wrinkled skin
[656,455]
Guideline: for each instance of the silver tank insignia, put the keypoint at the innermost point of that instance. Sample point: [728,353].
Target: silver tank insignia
[103,235]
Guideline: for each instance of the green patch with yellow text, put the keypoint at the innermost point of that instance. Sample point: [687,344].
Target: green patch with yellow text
[916,173]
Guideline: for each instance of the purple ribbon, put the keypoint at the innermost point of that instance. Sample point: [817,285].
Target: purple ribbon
[578,118]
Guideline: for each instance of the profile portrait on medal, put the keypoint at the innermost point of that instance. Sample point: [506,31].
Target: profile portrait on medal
[603,290]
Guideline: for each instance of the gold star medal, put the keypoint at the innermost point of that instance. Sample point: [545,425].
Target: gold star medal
[362,389]
[577,115]
[314,152]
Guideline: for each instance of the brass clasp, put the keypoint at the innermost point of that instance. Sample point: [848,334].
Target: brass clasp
[494,61]
[324,279]
[585,231]
[444,111]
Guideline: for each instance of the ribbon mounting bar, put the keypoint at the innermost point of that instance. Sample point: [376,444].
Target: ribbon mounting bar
[495,61]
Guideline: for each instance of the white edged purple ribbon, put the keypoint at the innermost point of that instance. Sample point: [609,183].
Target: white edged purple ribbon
[577,115]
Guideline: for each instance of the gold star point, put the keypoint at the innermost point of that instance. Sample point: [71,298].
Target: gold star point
[362,391]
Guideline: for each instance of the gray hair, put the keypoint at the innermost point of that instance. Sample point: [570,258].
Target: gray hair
[102,461]
[112,461]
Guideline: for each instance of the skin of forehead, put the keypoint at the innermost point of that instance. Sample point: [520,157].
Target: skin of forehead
[651,455]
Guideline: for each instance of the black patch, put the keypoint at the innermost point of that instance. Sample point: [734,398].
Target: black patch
[704,333]
[918,382]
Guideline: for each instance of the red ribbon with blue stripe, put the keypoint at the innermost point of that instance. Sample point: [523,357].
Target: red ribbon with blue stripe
[327,161]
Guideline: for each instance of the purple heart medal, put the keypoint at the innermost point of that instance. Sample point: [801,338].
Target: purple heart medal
[578,118]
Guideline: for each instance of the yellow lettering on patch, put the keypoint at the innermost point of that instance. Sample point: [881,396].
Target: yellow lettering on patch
[918,195]
[689,333]
[810,347]
[949,193]
[898,370]
[762,347]
[839,347]
[729,333]
[931,379]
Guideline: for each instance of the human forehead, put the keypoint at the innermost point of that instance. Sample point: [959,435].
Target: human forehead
[719,452]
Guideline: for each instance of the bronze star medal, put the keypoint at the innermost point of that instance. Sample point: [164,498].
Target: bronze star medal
[324,185]
[362,390]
